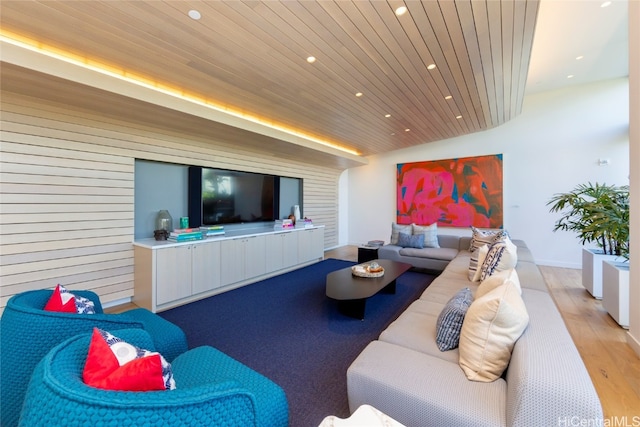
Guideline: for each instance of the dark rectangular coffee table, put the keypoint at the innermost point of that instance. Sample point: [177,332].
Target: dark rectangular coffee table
[352,292]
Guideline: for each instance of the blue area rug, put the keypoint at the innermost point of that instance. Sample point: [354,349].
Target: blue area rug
[287,329]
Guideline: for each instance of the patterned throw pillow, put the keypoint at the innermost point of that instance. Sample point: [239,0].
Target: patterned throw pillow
[430,234]
[480,238]
[502,255]
[113,364]
[450,320]
[476,261]
[62,300]
[410,241]
[396,229]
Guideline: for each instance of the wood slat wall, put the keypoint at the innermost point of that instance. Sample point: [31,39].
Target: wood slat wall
[67,193]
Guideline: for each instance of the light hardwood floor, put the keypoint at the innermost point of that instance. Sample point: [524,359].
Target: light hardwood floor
[612,364]
[602,343]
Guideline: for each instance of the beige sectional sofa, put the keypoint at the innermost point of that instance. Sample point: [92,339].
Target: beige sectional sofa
[406,376]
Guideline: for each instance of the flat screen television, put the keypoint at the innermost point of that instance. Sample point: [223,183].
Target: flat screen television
[231,197]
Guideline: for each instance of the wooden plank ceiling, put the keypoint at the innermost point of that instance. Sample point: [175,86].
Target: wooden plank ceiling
[250,56]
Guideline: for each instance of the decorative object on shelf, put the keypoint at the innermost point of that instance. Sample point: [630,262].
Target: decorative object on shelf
[160,234]
[164,220]
[164,223]
[368,269]
[296,213]
[184,222]
[283,223]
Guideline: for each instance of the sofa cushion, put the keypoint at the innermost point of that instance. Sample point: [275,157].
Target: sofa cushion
[419,389]
[410,241]
[476,261]
[445,254]
[417,331]
[502,255]
[396,229]
[430,233]
[480,237]
[450,320]
[490,329]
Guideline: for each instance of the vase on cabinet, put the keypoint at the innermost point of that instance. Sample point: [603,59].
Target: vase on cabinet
[164,225]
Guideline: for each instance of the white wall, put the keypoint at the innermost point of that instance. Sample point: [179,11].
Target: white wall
[634,132]
[551,147]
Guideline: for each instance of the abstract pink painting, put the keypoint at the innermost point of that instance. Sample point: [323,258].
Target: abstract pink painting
[460,192]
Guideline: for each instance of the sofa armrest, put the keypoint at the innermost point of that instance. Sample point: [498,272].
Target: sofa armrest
[546,378]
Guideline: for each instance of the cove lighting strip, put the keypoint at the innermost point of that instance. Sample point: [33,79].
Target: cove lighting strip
[123,75]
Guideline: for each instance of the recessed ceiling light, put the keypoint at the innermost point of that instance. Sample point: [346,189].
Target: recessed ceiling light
[431,66]
[458,117]
[311,59]
[407,130]
[401,10]
[194,14]
[387,115]
[578,58]
[448,97]
[359,94]
[570,76]
[606,4]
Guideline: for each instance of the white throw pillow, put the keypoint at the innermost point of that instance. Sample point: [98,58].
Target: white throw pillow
[490,329]
[476,261]
[502,255]
[430,234]
[498,279]
[396,229]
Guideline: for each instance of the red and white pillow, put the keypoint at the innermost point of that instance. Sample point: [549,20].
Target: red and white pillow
[64,301]
[113,364]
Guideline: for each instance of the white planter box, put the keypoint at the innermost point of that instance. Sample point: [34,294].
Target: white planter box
[592,270]
[615,291]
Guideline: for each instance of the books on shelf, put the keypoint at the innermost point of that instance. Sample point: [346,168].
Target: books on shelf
[283,224]
[185,236]
[184,230]
[212,230]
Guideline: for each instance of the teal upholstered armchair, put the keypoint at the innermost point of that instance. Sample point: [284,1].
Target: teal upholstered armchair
[212,389]
[27,333]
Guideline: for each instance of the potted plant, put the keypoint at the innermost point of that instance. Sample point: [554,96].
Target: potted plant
[599,214]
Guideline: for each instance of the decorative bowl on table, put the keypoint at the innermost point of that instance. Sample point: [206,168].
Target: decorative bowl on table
[368,269]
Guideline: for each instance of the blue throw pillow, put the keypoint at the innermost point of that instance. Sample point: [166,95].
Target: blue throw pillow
[411,241]
[450,320]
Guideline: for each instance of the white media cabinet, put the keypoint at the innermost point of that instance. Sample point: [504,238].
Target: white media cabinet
[169,274]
